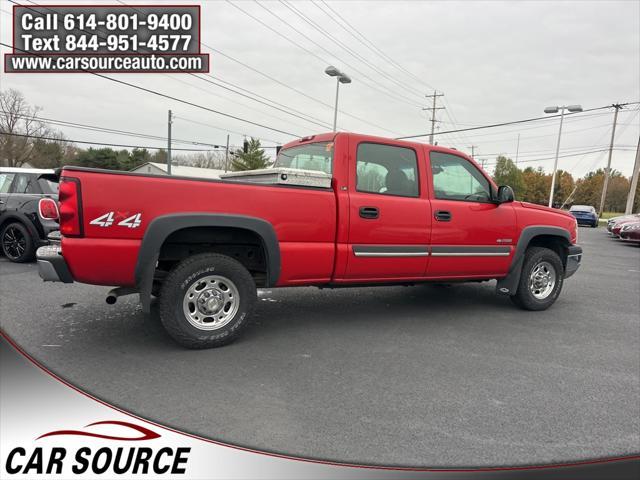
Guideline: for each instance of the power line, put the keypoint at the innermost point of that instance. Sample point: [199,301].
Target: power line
[368,43]
[171,97]
[388,93]
[95,128]
[150,90]
[272,79]
[87,142]
[315,122]
[197,122]
[293,89]
[350,51]
[514,122]
[284,108]
[570,155]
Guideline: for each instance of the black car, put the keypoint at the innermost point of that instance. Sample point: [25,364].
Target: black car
[22,231]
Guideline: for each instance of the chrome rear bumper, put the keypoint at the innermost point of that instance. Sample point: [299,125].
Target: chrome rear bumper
[51,265]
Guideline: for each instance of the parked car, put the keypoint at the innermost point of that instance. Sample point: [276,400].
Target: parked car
[585,215]
[621,222]
[613,220]
[630,232]
[383,212]
[22,231]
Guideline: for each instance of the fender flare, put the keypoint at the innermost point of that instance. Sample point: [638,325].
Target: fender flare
[161,227]
[509,284]
[19,217]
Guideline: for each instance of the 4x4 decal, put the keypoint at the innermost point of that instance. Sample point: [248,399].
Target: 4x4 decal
[108,219]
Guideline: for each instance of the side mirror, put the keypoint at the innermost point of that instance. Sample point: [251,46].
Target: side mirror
[505,194]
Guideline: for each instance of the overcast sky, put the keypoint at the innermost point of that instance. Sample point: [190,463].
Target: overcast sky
[494,61]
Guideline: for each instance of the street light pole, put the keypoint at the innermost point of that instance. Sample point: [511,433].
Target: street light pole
[340,78]
[335,110]
[555,162]
[570,108]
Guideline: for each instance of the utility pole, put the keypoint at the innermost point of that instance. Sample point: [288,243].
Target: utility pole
[433,113]
[226,155]
[517,149]
[170,118]
[607,172]
[473,151]
[634,182]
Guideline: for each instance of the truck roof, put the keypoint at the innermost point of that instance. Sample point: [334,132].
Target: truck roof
[330,136]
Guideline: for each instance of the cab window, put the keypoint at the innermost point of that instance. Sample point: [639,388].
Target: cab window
[387,169]
[455,178]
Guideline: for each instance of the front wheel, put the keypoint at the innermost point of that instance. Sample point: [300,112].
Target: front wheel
[205,301]
[540,281]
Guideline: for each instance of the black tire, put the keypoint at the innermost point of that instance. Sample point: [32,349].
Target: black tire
[188,275]
[17,243]
[595,225]
[524,297]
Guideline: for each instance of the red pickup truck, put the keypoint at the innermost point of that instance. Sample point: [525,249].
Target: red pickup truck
[395,212]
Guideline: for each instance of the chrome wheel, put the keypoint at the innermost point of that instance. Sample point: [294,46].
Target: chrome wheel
[211,302]
[542,280]
[14,243]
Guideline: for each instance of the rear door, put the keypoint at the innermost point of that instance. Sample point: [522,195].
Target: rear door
[471,235]
[389,216]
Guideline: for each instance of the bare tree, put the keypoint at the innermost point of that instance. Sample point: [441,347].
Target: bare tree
[210,159]
[18,127]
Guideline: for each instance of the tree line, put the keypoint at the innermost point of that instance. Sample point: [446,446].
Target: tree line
[534,185]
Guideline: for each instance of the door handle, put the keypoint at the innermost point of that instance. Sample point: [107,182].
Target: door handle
[443,216]
[369,212]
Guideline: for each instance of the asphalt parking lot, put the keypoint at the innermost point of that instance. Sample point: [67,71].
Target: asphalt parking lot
[422,376]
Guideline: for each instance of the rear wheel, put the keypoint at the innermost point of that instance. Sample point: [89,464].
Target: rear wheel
[540,281]
[206,299]
[17,244]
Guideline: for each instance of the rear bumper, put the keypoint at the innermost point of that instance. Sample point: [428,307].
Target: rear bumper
[51,265]
[574,258]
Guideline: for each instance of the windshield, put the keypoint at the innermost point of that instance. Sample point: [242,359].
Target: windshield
[580,208]
[312,156]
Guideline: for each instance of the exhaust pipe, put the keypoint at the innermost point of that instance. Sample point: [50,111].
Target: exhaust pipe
[112,296]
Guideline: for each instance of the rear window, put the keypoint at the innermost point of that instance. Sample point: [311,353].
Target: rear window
[581,208]
[311,156]
[47,185]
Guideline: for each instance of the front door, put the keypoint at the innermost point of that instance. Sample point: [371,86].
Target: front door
[389,216]
[471,235]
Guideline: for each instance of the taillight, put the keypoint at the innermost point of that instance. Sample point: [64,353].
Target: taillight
[70,207]
[48,209]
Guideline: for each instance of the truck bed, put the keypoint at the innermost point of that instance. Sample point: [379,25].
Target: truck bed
[304,220]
